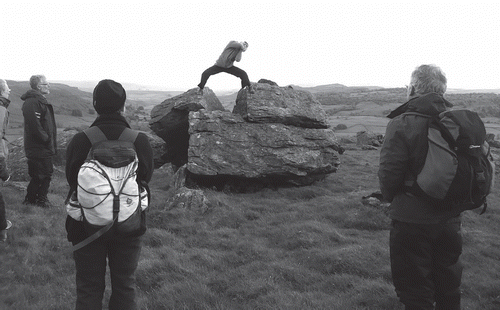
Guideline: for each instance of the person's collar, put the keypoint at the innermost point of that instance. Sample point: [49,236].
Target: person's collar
[4,101]
[430,103]
[114,118]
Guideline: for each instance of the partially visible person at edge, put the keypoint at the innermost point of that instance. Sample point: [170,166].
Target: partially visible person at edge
[4,152]
[231,53]
[122,253]
[40,143]
[425,243]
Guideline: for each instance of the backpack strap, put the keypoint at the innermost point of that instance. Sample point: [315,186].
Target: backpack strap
[95,235]
[95,134]
[128,135]
[419,114]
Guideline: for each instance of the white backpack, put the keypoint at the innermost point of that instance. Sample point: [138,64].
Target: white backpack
[108,193]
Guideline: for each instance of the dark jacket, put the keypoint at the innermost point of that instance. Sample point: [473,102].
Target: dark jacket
[40,140]
[112,125]
[402,156]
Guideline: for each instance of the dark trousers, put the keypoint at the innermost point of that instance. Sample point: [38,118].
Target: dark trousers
[40,171]
[425,264]
[123,256]
[245,81]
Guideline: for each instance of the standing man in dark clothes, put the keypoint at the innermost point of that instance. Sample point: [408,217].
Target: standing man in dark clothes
[232,52]
[121,252]
[425,243]
[40,143]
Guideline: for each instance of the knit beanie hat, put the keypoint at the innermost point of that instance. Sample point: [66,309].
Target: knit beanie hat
[109,97]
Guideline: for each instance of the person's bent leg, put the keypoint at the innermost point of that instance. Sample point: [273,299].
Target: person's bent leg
[90,263]
[448,268]
[245,81]
[411,265]
[123,259]
[207,73]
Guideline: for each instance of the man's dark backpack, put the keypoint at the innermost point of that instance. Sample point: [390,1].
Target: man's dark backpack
[458,170]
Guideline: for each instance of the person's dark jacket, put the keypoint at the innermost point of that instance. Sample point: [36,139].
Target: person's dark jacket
[112,125]
[40,131]
[402,156]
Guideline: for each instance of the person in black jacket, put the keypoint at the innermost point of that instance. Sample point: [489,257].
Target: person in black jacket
[121,252]
[425,242]
[40,143]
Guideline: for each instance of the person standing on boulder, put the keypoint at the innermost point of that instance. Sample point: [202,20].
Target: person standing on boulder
[40,143]
[232,52]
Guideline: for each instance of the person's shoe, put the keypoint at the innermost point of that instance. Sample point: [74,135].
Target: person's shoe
[3,233]
[29,202]
[200,91]
[250,89]
[43,203]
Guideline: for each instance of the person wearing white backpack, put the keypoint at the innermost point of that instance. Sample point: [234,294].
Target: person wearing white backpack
[120,250]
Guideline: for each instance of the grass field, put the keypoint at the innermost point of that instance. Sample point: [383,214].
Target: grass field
[312,247]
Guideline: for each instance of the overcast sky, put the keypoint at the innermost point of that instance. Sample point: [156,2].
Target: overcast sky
[366,43]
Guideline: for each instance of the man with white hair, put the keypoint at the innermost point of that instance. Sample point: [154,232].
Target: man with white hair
[40,143]
[232,52]
[425,242]
[4,152]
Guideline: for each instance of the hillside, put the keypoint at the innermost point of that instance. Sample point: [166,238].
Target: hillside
[73,106]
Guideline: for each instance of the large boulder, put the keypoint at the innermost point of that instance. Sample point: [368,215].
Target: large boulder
[285,105]
[274,134]
[169,120]
[224,144]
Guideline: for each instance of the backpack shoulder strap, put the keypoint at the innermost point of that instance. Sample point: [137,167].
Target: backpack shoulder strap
[95,134]
[128,135]
[419,114]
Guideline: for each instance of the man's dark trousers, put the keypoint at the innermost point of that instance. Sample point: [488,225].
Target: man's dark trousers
[245,81]
[425,264]
[40,171]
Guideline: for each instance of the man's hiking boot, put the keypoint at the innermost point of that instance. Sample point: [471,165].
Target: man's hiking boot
[250,89]
[28,201]
[200,91]
[43,203]
[3,233]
